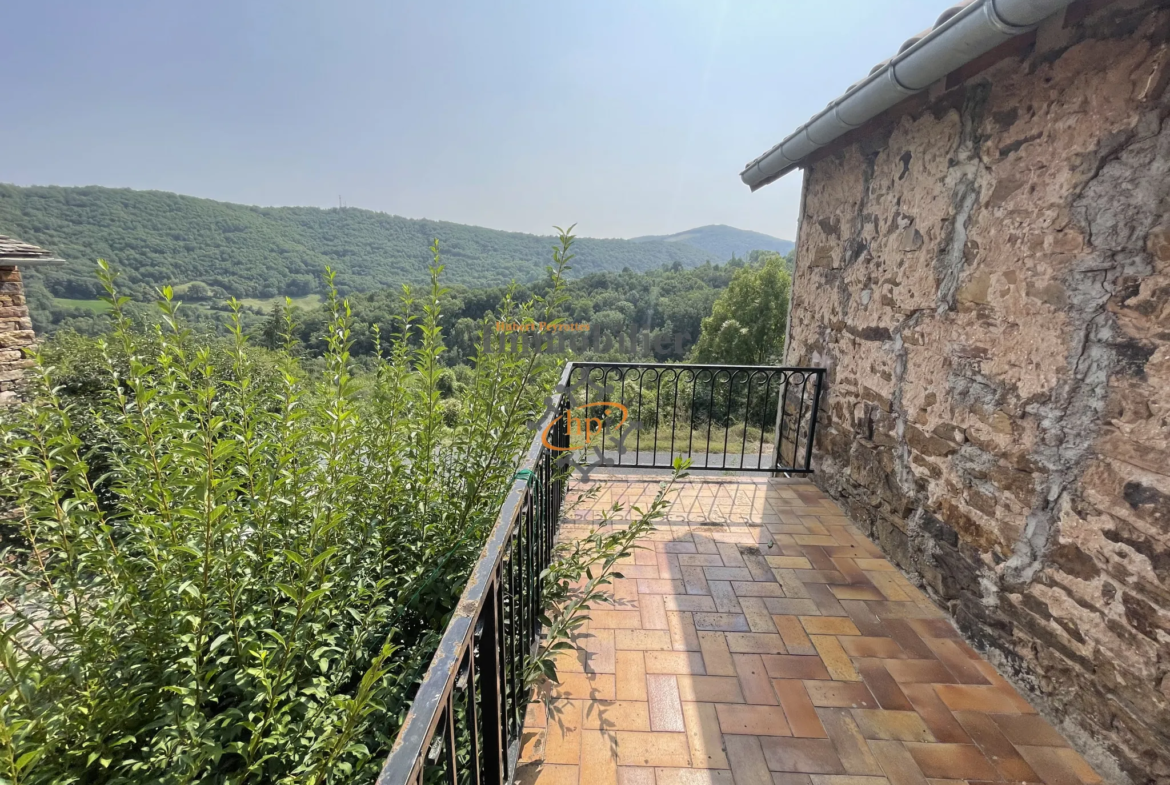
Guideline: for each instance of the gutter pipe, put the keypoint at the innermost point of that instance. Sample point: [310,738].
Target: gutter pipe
[958,37]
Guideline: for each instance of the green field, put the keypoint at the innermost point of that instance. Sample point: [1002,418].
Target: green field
[308,301]
[96,306]
[100,306]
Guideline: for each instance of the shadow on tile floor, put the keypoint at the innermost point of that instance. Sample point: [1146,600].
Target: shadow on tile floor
[760,639]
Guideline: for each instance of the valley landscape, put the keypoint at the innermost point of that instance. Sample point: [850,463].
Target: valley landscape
[209,251]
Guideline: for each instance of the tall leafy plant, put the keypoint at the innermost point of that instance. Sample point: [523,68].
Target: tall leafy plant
[582,572]
[230,570]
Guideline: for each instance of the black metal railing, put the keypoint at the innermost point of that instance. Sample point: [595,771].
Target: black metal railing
[465,723]
[725,417]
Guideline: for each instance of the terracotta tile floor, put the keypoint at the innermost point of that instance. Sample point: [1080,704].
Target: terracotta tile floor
[760,639]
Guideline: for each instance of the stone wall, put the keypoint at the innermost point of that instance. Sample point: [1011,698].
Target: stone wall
[16,333]
[986,275]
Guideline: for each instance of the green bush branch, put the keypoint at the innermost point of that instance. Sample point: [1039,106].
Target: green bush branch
[594,559]
[228,565]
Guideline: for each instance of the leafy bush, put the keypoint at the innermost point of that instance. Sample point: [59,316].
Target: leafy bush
[253,582]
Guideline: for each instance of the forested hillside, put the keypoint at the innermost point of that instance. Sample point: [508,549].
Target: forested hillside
[210,250]
[627,312]
[723,242]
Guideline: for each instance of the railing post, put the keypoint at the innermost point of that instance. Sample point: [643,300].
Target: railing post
[812,423]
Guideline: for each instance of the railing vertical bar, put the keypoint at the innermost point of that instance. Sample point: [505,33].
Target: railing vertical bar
[562,440]
[549,512]
[489,653]
[673,416]
[521,598]
[799,420]
[526,581]
[638,430]
[622,401]
[522,625]
[727,417]
[605,418]
[530,578]
[505,651]
[502,670]
[690,436]
[763,421]
[510,627]
[602,396]
[533,570]
[781,414]
[543,539]
[710,419]
[449,741]
[518,629]
[476,765]
[545,509]
[747,413]
[642,394]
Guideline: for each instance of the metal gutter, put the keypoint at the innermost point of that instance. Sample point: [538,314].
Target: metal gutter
[959,36]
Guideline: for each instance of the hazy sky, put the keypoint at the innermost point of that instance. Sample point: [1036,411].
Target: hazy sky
[628,117]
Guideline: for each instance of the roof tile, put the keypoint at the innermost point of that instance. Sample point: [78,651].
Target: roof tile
[13,249]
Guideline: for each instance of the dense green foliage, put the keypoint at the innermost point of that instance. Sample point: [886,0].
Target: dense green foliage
[665,308]
[210,250]
[723,242]
[659,302]
[747,324]
[662,303]
[228,568]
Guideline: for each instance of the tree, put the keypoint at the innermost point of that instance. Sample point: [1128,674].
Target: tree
[273,327]
[746,326]
[197,290]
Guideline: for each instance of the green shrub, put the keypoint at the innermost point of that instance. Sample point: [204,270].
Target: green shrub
[229,569]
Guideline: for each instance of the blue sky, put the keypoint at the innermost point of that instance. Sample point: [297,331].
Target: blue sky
[628,118]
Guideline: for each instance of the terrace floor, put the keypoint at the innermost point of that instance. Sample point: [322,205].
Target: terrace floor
[761,639]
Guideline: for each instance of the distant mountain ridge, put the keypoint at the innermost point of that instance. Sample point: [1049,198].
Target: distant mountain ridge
[722,241]
[155,238]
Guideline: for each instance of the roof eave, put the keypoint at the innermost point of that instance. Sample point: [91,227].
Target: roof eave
[960,36]
[30,261]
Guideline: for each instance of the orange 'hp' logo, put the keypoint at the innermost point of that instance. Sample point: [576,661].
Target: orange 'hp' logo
[588,427]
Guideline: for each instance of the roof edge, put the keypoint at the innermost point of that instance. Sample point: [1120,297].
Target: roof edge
[30,261]
[959,36]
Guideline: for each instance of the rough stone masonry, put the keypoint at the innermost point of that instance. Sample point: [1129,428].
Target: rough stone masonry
[985,272]
[16,329]
[16,333]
